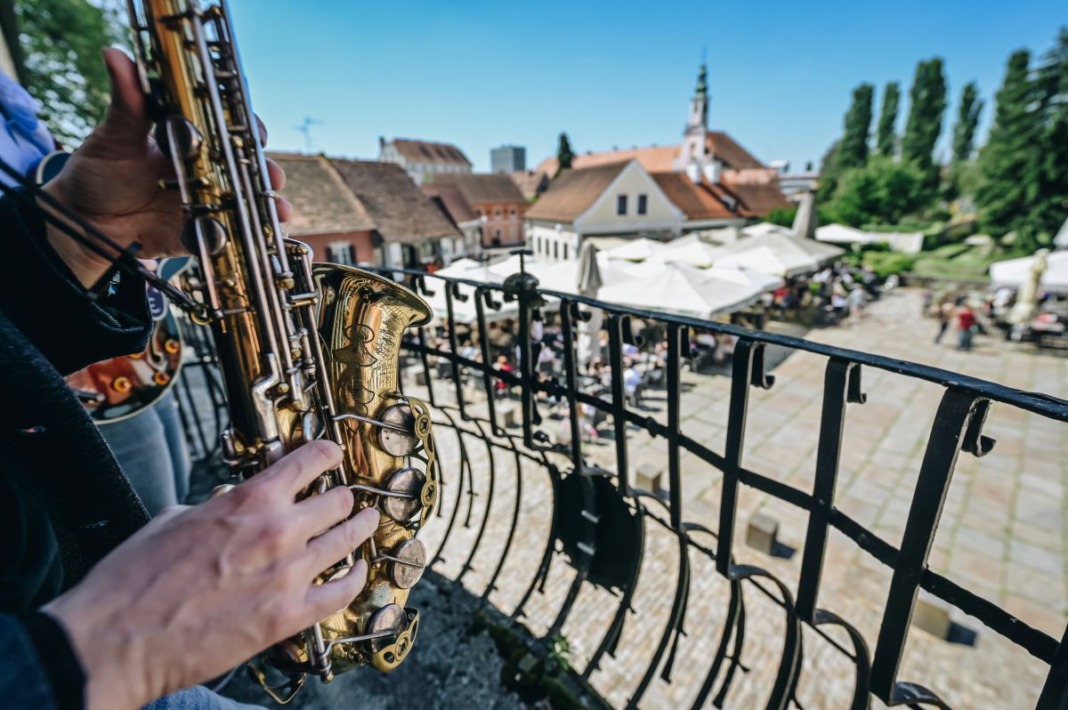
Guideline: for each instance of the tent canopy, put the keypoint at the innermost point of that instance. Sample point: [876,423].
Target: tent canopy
[842,234]
[1016,272]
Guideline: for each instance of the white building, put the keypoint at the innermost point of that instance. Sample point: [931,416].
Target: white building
[422,158]
[621,199]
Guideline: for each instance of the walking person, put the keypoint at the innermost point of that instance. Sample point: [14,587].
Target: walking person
[945,315]
[966,325]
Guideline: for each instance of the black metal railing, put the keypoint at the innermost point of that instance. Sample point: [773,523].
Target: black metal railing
[524,500]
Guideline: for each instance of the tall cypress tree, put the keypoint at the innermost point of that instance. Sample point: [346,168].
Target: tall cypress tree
[927,104]
[1051,101]
[564,155]
[853,151]
[1008,162]
[888,118]
[967,119]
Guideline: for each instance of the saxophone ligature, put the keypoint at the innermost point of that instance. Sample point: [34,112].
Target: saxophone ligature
[306,350]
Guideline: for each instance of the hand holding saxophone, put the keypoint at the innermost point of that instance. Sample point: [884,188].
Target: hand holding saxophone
[113,181]
[201,589]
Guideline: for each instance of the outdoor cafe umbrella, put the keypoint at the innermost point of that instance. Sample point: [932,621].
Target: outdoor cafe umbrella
[589,283]
[636,250]
[682,290]
[690,251]
[777,254]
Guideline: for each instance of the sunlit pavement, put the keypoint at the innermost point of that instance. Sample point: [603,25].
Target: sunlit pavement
[1002,533]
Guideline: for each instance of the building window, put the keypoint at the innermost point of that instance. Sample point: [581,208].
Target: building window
[496,237]
[341,253]
[643,204]
[513,212]
[556,250]
[496,213]
[621,204]
[565,251]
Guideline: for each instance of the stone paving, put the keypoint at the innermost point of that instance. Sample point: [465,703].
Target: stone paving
[1002,534]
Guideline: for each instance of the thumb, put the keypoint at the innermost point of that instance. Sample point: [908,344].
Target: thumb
[127,122]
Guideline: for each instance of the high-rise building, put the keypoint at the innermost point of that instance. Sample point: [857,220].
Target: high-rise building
[508,159]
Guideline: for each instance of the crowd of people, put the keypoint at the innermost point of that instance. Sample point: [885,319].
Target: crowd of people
[839,291]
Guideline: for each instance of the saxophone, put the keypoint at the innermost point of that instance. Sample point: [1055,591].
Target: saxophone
[306,350]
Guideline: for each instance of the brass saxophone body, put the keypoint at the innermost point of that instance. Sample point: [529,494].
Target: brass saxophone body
[306,351]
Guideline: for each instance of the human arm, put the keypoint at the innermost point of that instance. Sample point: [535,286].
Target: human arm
[199,590]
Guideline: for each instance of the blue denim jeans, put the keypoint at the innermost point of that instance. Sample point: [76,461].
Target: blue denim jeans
[198,698]
[151,450]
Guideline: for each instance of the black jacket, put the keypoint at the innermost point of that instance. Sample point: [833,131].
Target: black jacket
[64,502]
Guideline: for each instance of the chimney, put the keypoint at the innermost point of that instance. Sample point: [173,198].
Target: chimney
[693,170]
[381,142]
[712,169]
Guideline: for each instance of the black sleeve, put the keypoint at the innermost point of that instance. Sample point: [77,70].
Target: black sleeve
[40,669]
[61,664]
[48,304]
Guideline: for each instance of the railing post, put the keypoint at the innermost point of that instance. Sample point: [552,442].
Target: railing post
[949,434]
[836,392]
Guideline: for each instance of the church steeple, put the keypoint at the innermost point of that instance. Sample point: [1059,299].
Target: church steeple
[699,108]
[694,137]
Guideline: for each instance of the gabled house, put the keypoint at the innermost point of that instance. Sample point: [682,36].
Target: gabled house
[422,158]
[619,199]
[497,201]
[362,212]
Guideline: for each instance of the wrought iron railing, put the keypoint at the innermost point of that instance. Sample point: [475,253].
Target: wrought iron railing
[506,541]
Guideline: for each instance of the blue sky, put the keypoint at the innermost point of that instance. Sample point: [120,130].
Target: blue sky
[485,73]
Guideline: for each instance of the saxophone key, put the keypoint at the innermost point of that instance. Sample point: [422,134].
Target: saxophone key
[403,495]
[405,563]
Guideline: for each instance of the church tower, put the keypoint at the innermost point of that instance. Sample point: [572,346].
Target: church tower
[694,146]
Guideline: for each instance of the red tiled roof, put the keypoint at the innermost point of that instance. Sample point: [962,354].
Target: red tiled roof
[697,202]
[530,182]
[322,203]
[399,209]
[452,200]
[662,159]
[416,151]
[482,188]
[573,192]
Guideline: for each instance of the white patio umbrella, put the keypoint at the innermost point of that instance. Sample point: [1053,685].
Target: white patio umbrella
[681,290]
[747,277]
[689,251]
[762,228]
[777,254]
[768,261]
[637,250]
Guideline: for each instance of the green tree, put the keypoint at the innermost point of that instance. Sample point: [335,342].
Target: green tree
[564,155]
[853,151]
[882,192]
[886,138]
[1009,161]
[1051,101]
[927,104]
[967,119]
[62,40]
[829,172]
